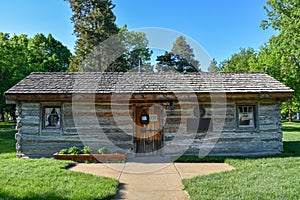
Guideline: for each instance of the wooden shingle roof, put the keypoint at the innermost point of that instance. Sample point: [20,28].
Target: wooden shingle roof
[62,86]
[106,83]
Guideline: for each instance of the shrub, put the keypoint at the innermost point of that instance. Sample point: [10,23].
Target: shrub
[86,150]
[103,150]
[74,150]
[118,152]
[63,151]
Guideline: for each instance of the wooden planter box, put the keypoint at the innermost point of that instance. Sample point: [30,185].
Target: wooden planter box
[102,158]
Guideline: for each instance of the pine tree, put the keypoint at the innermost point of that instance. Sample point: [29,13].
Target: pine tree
[94,22]
[166,62]
[213,66]
[181,58]
[185,55]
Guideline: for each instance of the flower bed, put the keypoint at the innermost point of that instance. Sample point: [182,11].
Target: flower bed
[85,155]
[101,158]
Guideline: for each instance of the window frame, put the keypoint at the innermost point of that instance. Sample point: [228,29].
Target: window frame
[255,117]
[44,118]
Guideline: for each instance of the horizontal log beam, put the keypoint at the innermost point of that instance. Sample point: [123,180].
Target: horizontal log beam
[152,97]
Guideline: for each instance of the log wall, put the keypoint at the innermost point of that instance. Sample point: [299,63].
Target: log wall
[265,139]
[81,124]
[111,126]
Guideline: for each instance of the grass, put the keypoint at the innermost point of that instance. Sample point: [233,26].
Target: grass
[291,138]
[255,178]
[45,178]
[7,125]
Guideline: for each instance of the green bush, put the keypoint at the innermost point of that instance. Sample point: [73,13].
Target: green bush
[74,150]
[86,150]
[63,151]
[103,150]
[118,152]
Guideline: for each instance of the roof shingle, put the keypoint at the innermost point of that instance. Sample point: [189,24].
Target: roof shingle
[106,83]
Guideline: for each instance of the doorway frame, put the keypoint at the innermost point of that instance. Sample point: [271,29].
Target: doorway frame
[135,117]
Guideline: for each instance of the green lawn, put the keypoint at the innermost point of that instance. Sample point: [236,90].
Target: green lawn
[255,178]
[45,178]
[7,125]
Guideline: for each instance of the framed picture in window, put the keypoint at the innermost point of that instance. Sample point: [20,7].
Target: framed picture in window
[51,117]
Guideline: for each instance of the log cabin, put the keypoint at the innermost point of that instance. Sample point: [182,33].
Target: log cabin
[220,114]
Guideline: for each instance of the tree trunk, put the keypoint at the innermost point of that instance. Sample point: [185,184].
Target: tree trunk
[13,115]
[2,115]
[290,114]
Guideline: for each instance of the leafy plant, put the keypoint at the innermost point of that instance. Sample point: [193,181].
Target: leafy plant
[63,151]
[74,150]
[118,152]
[86,150]
[103,150]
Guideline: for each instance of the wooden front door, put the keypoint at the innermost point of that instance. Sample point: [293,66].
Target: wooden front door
[148,136]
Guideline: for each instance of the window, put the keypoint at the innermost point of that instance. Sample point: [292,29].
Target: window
[51,117]
[246,117]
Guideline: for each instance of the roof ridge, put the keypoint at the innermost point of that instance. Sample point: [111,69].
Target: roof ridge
[175,72]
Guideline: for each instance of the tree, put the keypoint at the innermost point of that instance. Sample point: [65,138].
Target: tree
[122,52]
[213,66]
[133,54]
[243,61]
[20,55]
[283,16]
[101,45]
[181,58]
[94,22]
[185,56]
[47,54]
[13,65]
[280,56]
[139,60]
[166,62]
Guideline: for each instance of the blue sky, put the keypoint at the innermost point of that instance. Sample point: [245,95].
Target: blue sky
[221,27]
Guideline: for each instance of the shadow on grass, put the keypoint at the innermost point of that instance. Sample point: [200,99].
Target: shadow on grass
[46,196]
[8,124]
[291,149]
[291,129]
[9,196]
[7,141]
[119,194]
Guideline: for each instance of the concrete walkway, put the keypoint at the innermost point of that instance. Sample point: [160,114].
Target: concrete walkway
[151,181]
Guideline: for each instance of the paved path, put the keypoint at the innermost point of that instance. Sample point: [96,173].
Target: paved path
[151,181]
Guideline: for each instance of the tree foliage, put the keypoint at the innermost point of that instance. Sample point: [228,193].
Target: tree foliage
[243,61]
[166,62]
[101,45]
[280,56]
[182,49]
[48,54]
[133,53]
[93,22]
[181,58]
[212,68]
[20,55]
[283,16]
